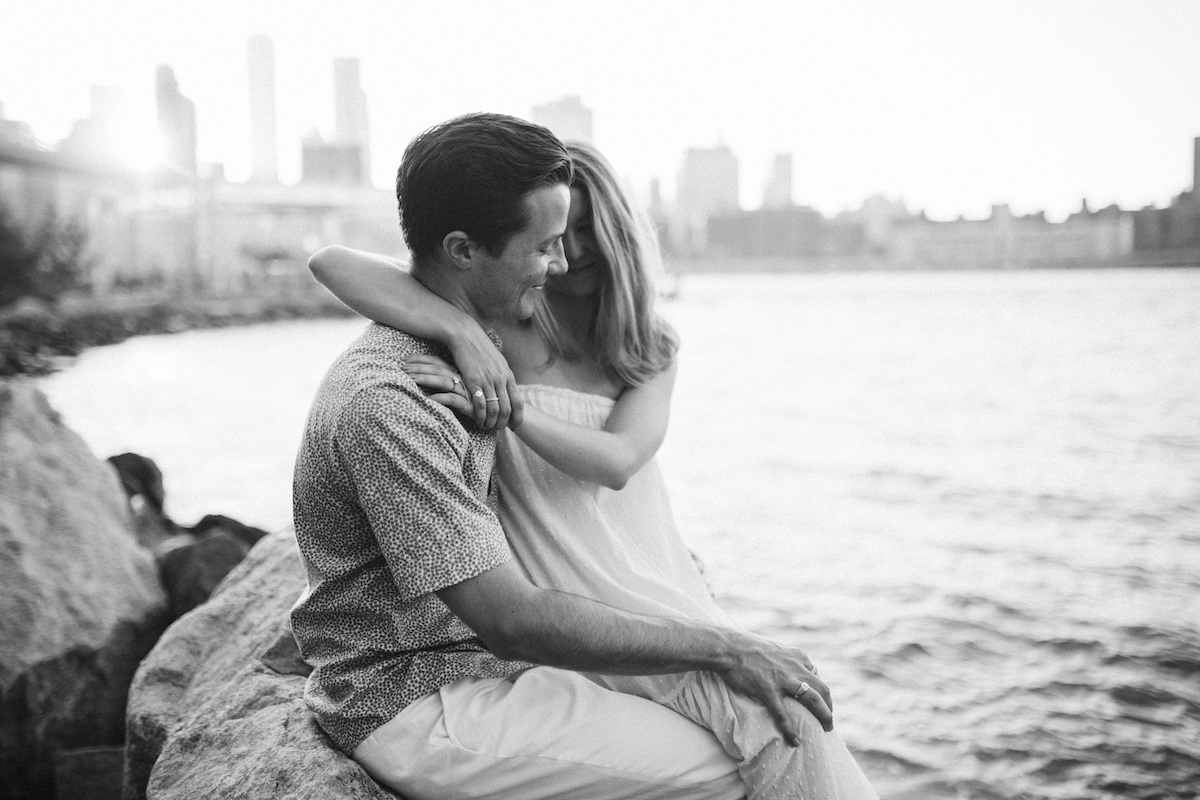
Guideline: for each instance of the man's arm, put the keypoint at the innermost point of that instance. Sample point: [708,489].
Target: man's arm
[519,621]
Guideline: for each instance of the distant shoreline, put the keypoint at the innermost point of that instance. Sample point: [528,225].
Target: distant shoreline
[1182,259]
[37,338]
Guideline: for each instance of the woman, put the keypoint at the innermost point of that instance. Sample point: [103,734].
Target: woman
[581,500]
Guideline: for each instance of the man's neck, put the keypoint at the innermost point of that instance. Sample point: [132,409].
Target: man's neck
[442,282]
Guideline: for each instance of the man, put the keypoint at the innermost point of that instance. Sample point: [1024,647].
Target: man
[421,628]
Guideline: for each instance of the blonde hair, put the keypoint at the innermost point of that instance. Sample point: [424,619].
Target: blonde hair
[631,341]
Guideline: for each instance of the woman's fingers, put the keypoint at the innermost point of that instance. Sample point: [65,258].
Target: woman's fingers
[503,407]
[516,404]
[479,406]
[453,401]
[490,401]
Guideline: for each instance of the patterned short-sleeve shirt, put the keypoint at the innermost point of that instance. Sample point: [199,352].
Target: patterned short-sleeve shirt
[391,503]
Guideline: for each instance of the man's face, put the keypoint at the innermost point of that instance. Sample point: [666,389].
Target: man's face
[510,286]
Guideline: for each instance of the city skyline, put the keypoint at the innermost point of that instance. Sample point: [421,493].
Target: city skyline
[1020,104]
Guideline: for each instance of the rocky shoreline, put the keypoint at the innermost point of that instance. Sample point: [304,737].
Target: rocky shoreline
[140,658]
[37,337]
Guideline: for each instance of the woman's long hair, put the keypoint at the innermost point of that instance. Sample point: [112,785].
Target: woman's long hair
[632,343]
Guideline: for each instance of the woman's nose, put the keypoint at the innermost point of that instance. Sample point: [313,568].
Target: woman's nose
[572,246]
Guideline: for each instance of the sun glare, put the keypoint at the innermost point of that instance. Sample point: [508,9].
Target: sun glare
[139,146]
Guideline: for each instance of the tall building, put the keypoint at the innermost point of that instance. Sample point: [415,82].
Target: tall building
[567,117]
[708,185]
[15,132]
[1196,167]
[351,126]
[264,149]
[778,191]
[95,136]
[176,121]
[332,162]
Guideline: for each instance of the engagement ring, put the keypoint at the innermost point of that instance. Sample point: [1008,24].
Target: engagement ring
[804,688]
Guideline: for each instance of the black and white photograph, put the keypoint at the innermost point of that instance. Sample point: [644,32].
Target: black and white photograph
[660,400]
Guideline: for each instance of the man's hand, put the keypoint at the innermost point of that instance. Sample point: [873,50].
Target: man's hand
[520,622]
[774,676]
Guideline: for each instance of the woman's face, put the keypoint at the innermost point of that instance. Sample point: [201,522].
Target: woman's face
[585,265]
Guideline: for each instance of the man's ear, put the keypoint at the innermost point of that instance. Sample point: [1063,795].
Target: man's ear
[458,247]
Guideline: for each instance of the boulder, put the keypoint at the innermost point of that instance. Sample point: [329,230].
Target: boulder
[80,600]
[217,710]
[212,523]
[201,558]
[192,571]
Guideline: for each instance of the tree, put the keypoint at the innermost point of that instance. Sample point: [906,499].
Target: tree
[44,263]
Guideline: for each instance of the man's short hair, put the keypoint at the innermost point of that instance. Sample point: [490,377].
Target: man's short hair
[472,174]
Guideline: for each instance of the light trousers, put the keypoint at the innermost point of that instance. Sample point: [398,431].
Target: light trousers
[545,733]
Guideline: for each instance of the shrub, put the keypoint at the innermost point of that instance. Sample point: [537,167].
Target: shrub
[44,263]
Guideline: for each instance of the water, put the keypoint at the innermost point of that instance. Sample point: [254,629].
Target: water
[973,498]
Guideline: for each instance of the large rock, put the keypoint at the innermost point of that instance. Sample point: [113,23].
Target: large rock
[190,572]
[80,600]
[217,709]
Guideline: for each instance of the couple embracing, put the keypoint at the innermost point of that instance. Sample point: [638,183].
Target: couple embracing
[523,621]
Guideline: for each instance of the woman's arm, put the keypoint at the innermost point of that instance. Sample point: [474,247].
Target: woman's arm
[610,456]
[381,289]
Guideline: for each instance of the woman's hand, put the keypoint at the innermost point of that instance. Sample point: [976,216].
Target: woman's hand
[491,388]
[440,382]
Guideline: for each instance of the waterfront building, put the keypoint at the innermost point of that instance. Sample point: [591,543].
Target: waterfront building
[778,191]
[567,117]
[876,217]
[264,148]
[1171,235]
[330,162]
[1005,240]
[352,128]
[15,131]
[176,121]
[708,185]
[766,233]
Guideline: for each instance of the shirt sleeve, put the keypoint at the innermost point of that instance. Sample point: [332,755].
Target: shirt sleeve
[406,462]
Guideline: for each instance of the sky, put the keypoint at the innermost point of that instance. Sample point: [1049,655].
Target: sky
[949,105]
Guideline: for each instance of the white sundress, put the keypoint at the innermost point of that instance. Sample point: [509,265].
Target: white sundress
[622,548]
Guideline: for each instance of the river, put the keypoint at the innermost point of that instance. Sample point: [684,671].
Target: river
[972,497]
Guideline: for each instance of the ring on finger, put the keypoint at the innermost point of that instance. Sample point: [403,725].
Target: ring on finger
[455,380]
[491,399]
[803,690]
[477,394]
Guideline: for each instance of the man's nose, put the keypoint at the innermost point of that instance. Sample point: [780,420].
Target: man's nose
[558,260]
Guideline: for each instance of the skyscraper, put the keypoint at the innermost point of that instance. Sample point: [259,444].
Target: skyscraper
[350,110]
[95,137]
[567,117]
[778,192]
[264,151]
[708,184]
[1196,167]
[176,121]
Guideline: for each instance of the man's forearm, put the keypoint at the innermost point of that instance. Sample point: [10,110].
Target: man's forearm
[563,630]
[519,621]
